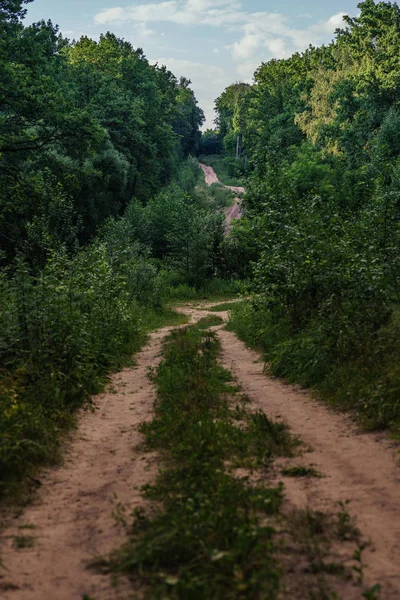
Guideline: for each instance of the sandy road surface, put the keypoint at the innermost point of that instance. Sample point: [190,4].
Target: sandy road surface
[232,213]
[363,468]
[72,514]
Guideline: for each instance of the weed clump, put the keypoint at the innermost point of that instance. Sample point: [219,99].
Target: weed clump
[299,471]
[210,321]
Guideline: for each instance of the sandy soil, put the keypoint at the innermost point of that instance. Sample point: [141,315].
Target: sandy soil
[362,468]
[72,514]
[234,212]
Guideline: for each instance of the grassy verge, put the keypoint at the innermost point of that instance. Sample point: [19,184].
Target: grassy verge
[210,531]
[215,196]
[167,317]
[221,196]
[365,381]
[220,166]
[210,321]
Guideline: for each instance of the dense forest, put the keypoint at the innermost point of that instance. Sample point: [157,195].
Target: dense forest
[318,138]
[102,220]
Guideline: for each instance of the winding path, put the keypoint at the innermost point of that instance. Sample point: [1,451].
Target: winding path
[232,213]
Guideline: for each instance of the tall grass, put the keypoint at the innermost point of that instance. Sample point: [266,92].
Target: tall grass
[363,377]
[210,539]
[209,530]
[222,196]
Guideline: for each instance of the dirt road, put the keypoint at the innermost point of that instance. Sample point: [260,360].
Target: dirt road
[360,467]
[72,520]
[232,213]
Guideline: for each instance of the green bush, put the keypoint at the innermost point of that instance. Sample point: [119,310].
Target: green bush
[61,331]
[365,379]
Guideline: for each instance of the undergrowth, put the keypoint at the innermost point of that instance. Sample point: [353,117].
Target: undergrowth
[222,196]
[360,374]
[62,332]
[210,321]
[214,290]
[211,538]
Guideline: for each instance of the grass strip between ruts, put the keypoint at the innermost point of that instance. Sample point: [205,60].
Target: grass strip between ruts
[215,526]
[211,536]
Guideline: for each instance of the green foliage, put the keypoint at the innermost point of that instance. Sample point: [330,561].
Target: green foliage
[360,374]
[62,331]
[211,142]
[231,108]
[321,226]
[182,235]
[210,321]
[84,126]
[80,313]
[222,197]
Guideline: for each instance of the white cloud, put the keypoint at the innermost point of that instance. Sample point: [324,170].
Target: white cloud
[259,30]
[260,36]
[143,30]
[110,15]
[204,74]
[271,32]
[246,69]
[182,12]
[207,81]
[330,26]
[278,47]
[247,46]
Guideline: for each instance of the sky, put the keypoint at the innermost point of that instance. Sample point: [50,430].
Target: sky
[212,42]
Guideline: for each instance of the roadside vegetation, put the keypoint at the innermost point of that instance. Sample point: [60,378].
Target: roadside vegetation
[321,232]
